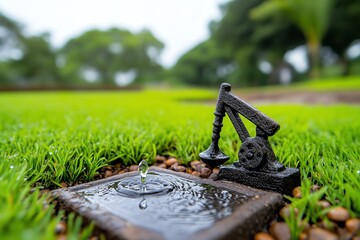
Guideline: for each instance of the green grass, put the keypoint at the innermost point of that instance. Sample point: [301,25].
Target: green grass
[49,138]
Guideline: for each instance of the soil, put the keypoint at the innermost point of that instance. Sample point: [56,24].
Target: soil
[304,97]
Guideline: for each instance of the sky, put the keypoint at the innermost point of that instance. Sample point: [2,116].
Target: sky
[179,24]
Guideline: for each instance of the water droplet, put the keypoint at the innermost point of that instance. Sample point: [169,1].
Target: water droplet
[143,204]
[143,170]
[11,166]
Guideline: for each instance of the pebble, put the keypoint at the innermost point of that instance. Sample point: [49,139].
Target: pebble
[263,236]
[174,166]
[315,188]
[195,173]
[352,225]
[214,176]
[324,204]
[297,192]
[326,225]
[338,214]
[170,161]
[285,212]
[108,173]
[122,171]
[134,168]
[107,167]
[280,231]
[181,169]
[215,170]
[60,228]
[356,238]
[321,234]
[162,165]
[303,236]
[61,237]
[160,159]
[205,172]
[196,165]
[189,170]
[63,184]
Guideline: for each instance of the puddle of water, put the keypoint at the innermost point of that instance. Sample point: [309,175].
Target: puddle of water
[183,208]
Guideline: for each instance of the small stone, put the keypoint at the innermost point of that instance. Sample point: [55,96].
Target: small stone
[356,238]
[195,173]
[118,165]
[199,167]
[181,169]
[338,214]
[285,212]
[60,228]
[320,234]
[170,161]
[61,237]
[329,225]
[160,159]
[315,188]
[305,225]
[215,170]
[297,192]
[263,236]
[352,225]
[107,168]
[214,176]
[44,191]
[174,166]
[303,236]
[134,168]
[205,172]
[162,165]
[189,170]
[122,171]
[194,164]
[63,184]
[280,231]
[324,204]
[108,173]
[343,234]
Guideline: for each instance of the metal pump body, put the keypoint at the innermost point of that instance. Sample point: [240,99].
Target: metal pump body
[255,152]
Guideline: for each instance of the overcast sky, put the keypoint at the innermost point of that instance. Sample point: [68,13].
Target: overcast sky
[180,24]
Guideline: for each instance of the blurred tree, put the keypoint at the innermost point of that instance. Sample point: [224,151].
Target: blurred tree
[10,47]
[343,30]
[243,45]
[204,65]
[311,17]
[111,56]
[253,43]
[37,66]
[25,60]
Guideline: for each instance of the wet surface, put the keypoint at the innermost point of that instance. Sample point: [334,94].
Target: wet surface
[171,205]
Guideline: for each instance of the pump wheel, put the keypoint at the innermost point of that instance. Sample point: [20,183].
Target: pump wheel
[250,154]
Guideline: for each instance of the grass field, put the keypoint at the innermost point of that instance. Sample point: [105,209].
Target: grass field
[48,138]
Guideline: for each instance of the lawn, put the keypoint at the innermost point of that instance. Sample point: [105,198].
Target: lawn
[47,138]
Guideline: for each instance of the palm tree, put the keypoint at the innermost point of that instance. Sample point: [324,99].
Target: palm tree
[310,16]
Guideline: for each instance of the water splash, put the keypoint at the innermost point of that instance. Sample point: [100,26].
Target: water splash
[143,204]
[143,170]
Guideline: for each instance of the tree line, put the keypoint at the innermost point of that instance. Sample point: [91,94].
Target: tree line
[248,46]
